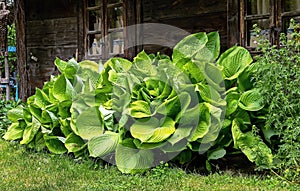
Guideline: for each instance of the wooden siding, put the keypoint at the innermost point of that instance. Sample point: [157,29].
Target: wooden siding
[51,31]
[190,15]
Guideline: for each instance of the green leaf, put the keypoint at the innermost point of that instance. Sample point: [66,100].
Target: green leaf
[251,100]
[60,64]
[188,47]
[63,89]
[104,144]
[203,123]
[213,121]
[245,79]
[89,123]
[49,117]
[211,51]
[71,69]
[14,132]
[131,160]
[88,64]
[15,114]
[68,69]
[194,71]
[119,65]
[234,61]
[74,143]
[143,65]
[216,154]
[210,95]
[232,100]
[139,109]
[41,100]
[108,118]
[55,144]
[30,131]
[251,145]
[153,130]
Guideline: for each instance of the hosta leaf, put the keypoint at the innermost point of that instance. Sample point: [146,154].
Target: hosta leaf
[119,65]
[89,123]
[210,95]
[41,100]
[245,79]
[88,64]
[65,127]
[15,114]
[30,131]
[251,100]
[74,143]
[131,160]
[139,109]
[152,130]
[216,154]
[60,64]
[203,122]
[64,108]
[215,122]
[104,144]
[232,100]
[49,117]
[143,65]
[234,61]
[213,76]
[189,46]
[108,118]
[211,51]
[55,144]
[251,145]
[36,112]
[71,69]
[14,132]
[63,89]
[195,71]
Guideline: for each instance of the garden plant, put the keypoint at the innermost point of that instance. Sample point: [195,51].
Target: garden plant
[138,114]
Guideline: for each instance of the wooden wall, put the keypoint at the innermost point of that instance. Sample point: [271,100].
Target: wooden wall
[51,31]
[190,15]
[55,28]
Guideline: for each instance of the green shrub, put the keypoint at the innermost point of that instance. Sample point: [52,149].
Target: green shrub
[138,113]
[278,79]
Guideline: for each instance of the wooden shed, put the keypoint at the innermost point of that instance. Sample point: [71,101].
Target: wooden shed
[100,29]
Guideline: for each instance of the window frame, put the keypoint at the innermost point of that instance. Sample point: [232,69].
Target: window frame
[277,18]
[104,32]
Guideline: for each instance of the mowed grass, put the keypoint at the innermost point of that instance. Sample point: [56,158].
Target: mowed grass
[21,169]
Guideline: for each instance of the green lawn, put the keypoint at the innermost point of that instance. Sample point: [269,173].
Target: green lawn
[24,170]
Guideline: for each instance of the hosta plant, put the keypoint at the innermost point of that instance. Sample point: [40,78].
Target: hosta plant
[137,114]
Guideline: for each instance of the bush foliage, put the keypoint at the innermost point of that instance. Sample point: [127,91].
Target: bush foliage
[278,79]
[137,114]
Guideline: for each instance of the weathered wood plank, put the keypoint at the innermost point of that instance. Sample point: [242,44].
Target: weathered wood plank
[52,32]
[233,22]
[168,9]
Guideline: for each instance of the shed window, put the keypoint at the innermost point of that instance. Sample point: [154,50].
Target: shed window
[272,16]
[104,30]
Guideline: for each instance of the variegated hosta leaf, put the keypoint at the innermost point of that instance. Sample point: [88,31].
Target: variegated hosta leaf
[139,109]
[104,144]
[153,130]
[89,123]
[131,160]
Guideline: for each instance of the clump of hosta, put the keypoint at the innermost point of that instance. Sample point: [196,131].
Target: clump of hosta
[137,114]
